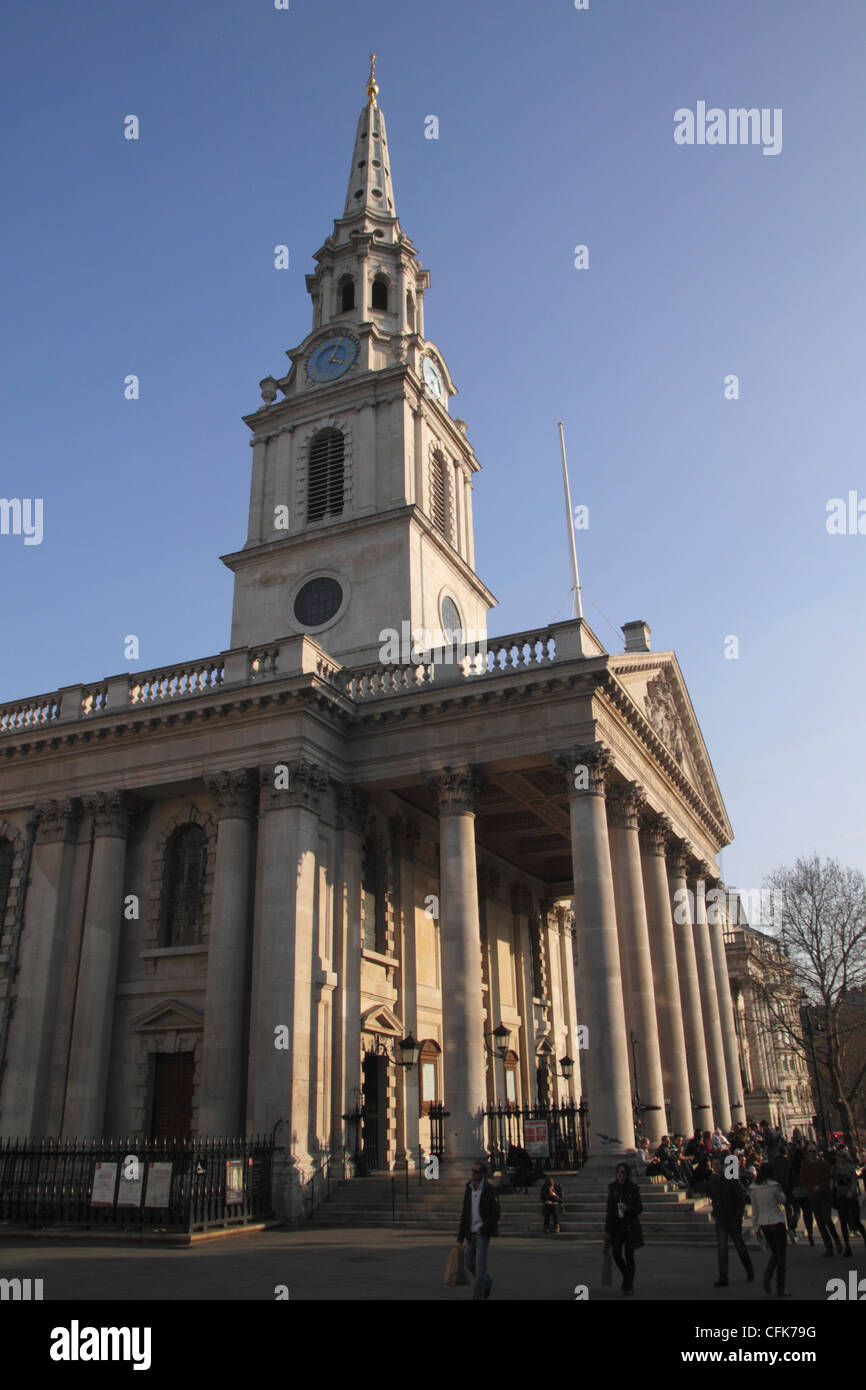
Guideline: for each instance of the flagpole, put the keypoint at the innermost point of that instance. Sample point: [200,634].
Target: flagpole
[578,604]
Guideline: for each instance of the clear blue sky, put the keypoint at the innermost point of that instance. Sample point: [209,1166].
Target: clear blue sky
[707,516]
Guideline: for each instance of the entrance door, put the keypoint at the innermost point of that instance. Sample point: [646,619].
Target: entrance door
[172,1095]
[373,1113]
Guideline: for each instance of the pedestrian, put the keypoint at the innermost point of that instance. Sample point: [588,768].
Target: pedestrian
[846,1200]
[479,1221]
[768,1218]
[815,1177]
[781,1166]
[622,1231]
[728,1197]
[551,1204]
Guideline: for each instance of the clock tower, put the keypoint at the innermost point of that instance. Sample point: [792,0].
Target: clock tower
[361,496]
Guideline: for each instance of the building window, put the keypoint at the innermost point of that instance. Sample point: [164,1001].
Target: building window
[510,1066]
[373,900]
[347,295]
[183,887]
[318,601]
[410,312]
[428,1075]
[7,855]
[325,475]
[379,299]
[439,494]
[452,623]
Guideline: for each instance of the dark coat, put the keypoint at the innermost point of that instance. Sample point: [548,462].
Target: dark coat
[629,1224]
[490,1212]
[728,1197]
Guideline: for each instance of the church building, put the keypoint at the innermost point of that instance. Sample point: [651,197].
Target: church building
[239,893]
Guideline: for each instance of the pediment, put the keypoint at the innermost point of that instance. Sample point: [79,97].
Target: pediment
[381,1019]
[169,1014]
[655,685]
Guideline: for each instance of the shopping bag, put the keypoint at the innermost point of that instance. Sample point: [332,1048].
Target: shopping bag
[606,1268]
[455,1270]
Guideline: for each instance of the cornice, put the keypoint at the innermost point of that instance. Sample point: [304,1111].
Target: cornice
[617,697]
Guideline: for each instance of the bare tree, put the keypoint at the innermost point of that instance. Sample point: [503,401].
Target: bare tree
[819,916]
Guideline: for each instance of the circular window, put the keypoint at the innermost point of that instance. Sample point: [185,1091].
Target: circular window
[452,623]
[318,601]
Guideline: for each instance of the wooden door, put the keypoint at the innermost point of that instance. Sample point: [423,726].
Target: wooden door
[172,1095]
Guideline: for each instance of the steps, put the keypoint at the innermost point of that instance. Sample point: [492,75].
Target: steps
[434,1206]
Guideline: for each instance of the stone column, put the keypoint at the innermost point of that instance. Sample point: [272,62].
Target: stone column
[710,1002]
[404,838]
[460,942]
[690,990]
[624,804]
[90,1047]
[352,811]
[281,1077]
[30,1049]
[716,917]
[597,965]
[565,923]
[225,1042]
[669,1014]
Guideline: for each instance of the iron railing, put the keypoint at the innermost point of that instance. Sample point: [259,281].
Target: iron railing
[556,1137]
[136,1184]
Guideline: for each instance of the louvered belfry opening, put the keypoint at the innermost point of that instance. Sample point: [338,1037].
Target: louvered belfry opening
[325,482]
[438,496]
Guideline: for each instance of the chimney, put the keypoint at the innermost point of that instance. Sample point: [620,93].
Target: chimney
[637,636]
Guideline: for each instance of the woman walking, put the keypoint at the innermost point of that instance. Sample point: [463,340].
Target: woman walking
[622,1232]
[843,1176]
[768,1217]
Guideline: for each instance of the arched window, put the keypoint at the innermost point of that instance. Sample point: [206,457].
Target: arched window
[347,294]
[7,856]
[410,311]
[439,494]
[183,886]
[428,1076]
[373,899]
[325,475]
[379,298]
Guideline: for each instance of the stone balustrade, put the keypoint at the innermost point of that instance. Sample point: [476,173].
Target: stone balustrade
[301,655]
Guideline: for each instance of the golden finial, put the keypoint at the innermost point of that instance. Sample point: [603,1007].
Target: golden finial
[372,89]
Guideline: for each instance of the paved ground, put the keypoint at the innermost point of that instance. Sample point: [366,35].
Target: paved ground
[375,1265]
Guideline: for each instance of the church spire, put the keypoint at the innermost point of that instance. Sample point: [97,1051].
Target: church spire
[370,188]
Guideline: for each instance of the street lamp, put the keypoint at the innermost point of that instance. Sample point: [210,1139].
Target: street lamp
[407,1050]
[503,1041]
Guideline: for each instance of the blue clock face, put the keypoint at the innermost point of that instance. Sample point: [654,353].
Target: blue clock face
[433,378]
[332,358]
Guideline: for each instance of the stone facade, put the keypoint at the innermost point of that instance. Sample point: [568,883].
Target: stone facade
[248,877]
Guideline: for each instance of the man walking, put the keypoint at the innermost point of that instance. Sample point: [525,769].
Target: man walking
[479,1220]
[728,1197]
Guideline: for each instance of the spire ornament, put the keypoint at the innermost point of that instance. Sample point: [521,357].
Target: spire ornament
[372,89]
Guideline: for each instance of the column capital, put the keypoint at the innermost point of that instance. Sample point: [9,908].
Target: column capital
[564,920]
[298,783]
[351,807]
[57,820]
[235,793]
[405,834]
[699,870]
[585,767]
[655,829]
[113,812]
[457,789]
[679,852]
[625,801]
